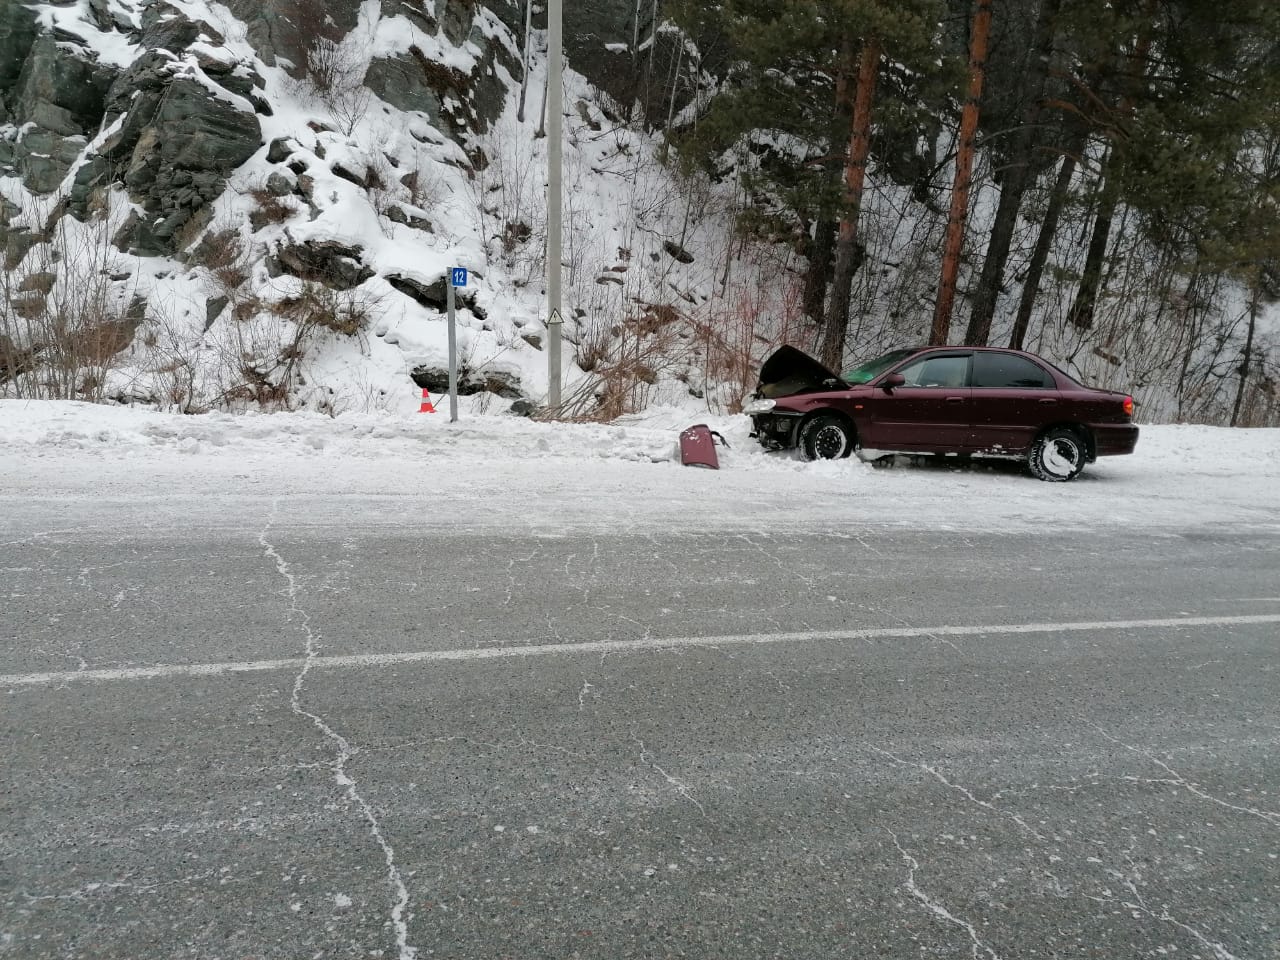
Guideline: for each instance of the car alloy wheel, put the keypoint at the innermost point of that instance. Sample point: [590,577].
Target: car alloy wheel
[827,438]
[1057,455]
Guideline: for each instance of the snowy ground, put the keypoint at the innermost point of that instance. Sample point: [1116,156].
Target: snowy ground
[505,474]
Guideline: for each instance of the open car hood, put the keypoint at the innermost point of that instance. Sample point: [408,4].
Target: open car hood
[789,371]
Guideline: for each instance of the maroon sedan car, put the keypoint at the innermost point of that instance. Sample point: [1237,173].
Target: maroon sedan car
[969,401]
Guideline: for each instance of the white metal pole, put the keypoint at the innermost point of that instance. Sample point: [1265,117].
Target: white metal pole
[555,161]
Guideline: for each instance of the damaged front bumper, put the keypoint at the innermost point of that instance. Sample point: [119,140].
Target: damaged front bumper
[776,430]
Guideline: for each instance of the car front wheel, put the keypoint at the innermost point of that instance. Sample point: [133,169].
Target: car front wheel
[827,437]
[1057,455]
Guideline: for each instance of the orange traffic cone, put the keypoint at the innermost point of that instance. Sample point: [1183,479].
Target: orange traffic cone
[426,402]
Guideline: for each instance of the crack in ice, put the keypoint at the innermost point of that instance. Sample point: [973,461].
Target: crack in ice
[1176,779]
[1139,905]
[937,909]
[936,774]
[511,576]
[344,749]
[676,783]
[786,568]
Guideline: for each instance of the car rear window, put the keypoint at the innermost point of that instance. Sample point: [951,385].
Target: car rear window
[1009,371]
[1062,373]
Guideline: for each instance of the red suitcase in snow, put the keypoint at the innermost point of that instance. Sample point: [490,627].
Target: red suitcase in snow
[698,447]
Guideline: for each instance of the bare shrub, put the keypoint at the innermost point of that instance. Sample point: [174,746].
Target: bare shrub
[63,318]
[737,333]
[335,72]
[261,352]
[178,370]
[349,107]
[509,203]
[626,361]
[383,190]
[425,185]
[317,307]
[255,355]
[333,66]
[251,357]
[328,66]
[229,262]
[270,208]
[222,253]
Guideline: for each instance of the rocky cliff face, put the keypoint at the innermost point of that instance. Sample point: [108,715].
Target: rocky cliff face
[123,124]
[257,200]
[145,95]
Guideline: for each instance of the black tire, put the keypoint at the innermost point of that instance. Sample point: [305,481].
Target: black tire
[827,437]
[1058,455]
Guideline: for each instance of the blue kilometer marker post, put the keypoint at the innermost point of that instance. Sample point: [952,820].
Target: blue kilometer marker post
[457,278]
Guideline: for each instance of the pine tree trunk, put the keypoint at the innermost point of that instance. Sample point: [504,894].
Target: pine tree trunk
[849,254]
[1040,255]
[1254,302]
[992,277]
[1190,295]
[1085,305]
[821,248]
[635,61]
[964,169]
[1016,180]
[653,47]
[528,37]
[849,259]
[673,94]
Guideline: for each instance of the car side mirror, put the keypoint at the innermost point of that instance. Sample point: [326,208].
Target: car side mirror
[891,381]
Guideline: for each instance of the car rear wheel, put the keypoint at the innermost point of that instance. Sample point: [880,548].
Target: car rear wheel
[827,437]
[1057,455]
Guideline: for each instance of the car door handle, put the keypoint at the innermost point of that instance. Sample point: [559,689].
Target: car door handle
[955,399]
[1048,401]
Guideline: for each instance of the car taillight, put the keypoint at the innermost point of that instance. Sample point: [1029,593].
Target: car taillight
[1128,406]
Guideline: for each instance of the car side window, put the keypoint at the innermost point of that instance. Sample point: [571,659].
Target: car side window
[943,372]
[1006,371]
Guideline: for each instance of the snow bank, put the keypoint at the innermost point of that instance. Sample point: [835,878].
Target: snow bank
[61,461]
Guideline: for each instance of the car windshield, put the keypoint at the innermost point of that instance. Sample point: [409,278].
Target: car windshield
[873,368]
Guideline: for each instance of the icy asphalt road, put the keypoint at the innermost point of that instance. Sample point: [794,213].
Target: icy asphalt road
[368,740]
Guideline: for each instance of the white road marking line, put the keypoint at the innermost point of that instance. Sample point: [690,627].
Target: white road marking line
[162,671]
